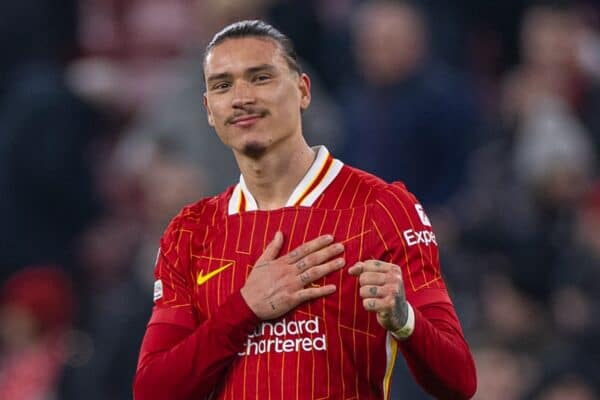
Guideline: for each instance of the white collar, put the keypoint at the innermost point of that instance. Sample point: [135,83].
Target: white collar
[319,176]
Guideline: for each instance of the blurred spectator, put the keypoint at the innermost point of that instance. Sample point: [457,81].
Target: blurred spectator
[36,313]
[119,282]
[130,56]
[523,193]
[553,152]
[45,178]
[334,43]
[129,48]
[503,374]
[48,194]
[559,61]
[510,316]
[407,117]
[569,387]
[35,31]
[576,297]
[115,310]
[543,160]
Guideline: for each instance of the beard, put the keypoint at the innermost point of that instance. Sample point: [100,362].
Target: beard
[254,150]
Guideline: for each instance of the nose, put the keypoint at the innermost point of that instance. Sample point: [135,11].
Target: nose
[242,95]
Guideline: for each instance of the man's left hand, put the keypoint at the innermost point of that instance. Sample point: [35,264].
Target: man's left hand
[382,290]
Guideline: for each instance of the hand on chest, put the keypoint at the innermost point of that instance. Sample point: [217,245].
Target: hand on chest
[232,248]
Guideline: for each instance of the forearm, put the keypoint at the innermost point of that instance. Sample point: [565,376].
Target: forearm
[179,363]
[437,354]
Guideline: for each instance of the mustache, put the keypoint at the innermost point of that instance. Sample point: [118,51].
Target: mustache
[245,111]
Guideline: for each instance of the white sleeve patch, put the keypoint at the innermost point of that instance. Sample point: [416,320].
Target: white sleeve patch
[158,290]
[422,215]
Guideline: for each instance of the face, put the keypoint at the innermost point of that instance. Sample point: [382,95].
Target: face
[389,42]
[253,99]
[549,38]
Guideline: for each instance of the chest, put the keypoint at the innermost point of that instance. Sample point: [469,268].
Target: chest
[231,248]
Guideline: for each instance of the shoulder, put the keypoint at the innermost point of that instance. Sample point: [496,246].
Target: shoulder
[383,192]
[359,178]
[351,188]
[395,192]
[395,202]
[206,211]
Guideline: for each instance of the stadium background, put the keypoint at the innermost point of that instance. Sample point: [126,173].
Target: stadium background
[491,113]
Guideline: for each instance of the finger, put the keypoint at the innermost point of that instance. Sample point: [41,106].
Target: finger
[371,304]
[308,248]
[373,291]
[317,272]
[314,293]
[320,256]
[377,266]
[356,269]
[273,248]
[372,278]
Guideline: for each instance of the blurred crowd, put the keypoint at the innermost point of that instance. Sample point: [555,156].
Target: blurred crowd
[488,111]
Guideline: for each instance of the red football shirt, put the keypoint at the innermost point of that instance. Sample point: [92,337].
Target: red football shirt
[329,348]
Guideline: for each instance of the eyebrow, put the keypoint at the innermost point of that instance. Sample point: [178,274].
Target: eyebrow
[259,68]
[248,71]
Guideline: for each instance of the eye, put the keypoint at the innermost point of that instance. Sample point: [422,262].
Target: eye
[260,78]
[221,86]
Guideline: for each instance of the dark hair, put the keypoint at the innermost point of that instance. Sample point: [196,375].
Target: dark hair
[261,29]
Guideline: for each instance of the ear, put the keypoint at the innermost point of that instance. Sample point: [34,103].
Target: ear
[304,88]
[211,120]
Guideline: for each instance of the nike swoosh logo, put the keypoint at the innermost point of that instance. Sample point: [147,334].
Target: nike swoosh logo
[201,280]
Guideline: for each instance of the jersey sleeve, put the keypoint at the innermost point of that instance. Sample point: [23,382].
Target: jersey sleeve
[172,286]
[185,355]
[404,235]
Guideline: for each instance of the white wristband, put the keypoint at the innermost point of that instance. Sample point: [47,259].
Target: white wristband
[408,328]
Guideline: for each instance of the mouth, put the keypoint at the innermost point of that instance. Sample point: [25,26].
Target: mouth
[245,120]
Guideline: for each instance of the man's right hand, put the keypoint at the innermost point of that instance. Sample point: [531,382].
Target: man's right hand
[276,285]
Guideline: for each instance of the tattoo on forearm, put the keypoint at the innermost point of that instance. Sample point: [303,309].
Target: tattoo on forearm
[400,313]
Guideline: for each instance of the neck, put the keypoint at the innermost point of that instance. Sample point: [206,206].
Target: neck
[273,177]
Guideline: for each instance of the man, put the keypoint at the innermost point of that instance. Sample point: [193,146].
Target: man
[304,279]
[422,111]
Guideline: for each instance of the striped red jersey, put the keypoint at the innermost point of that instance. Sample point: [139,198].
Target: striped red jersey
[328,348]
